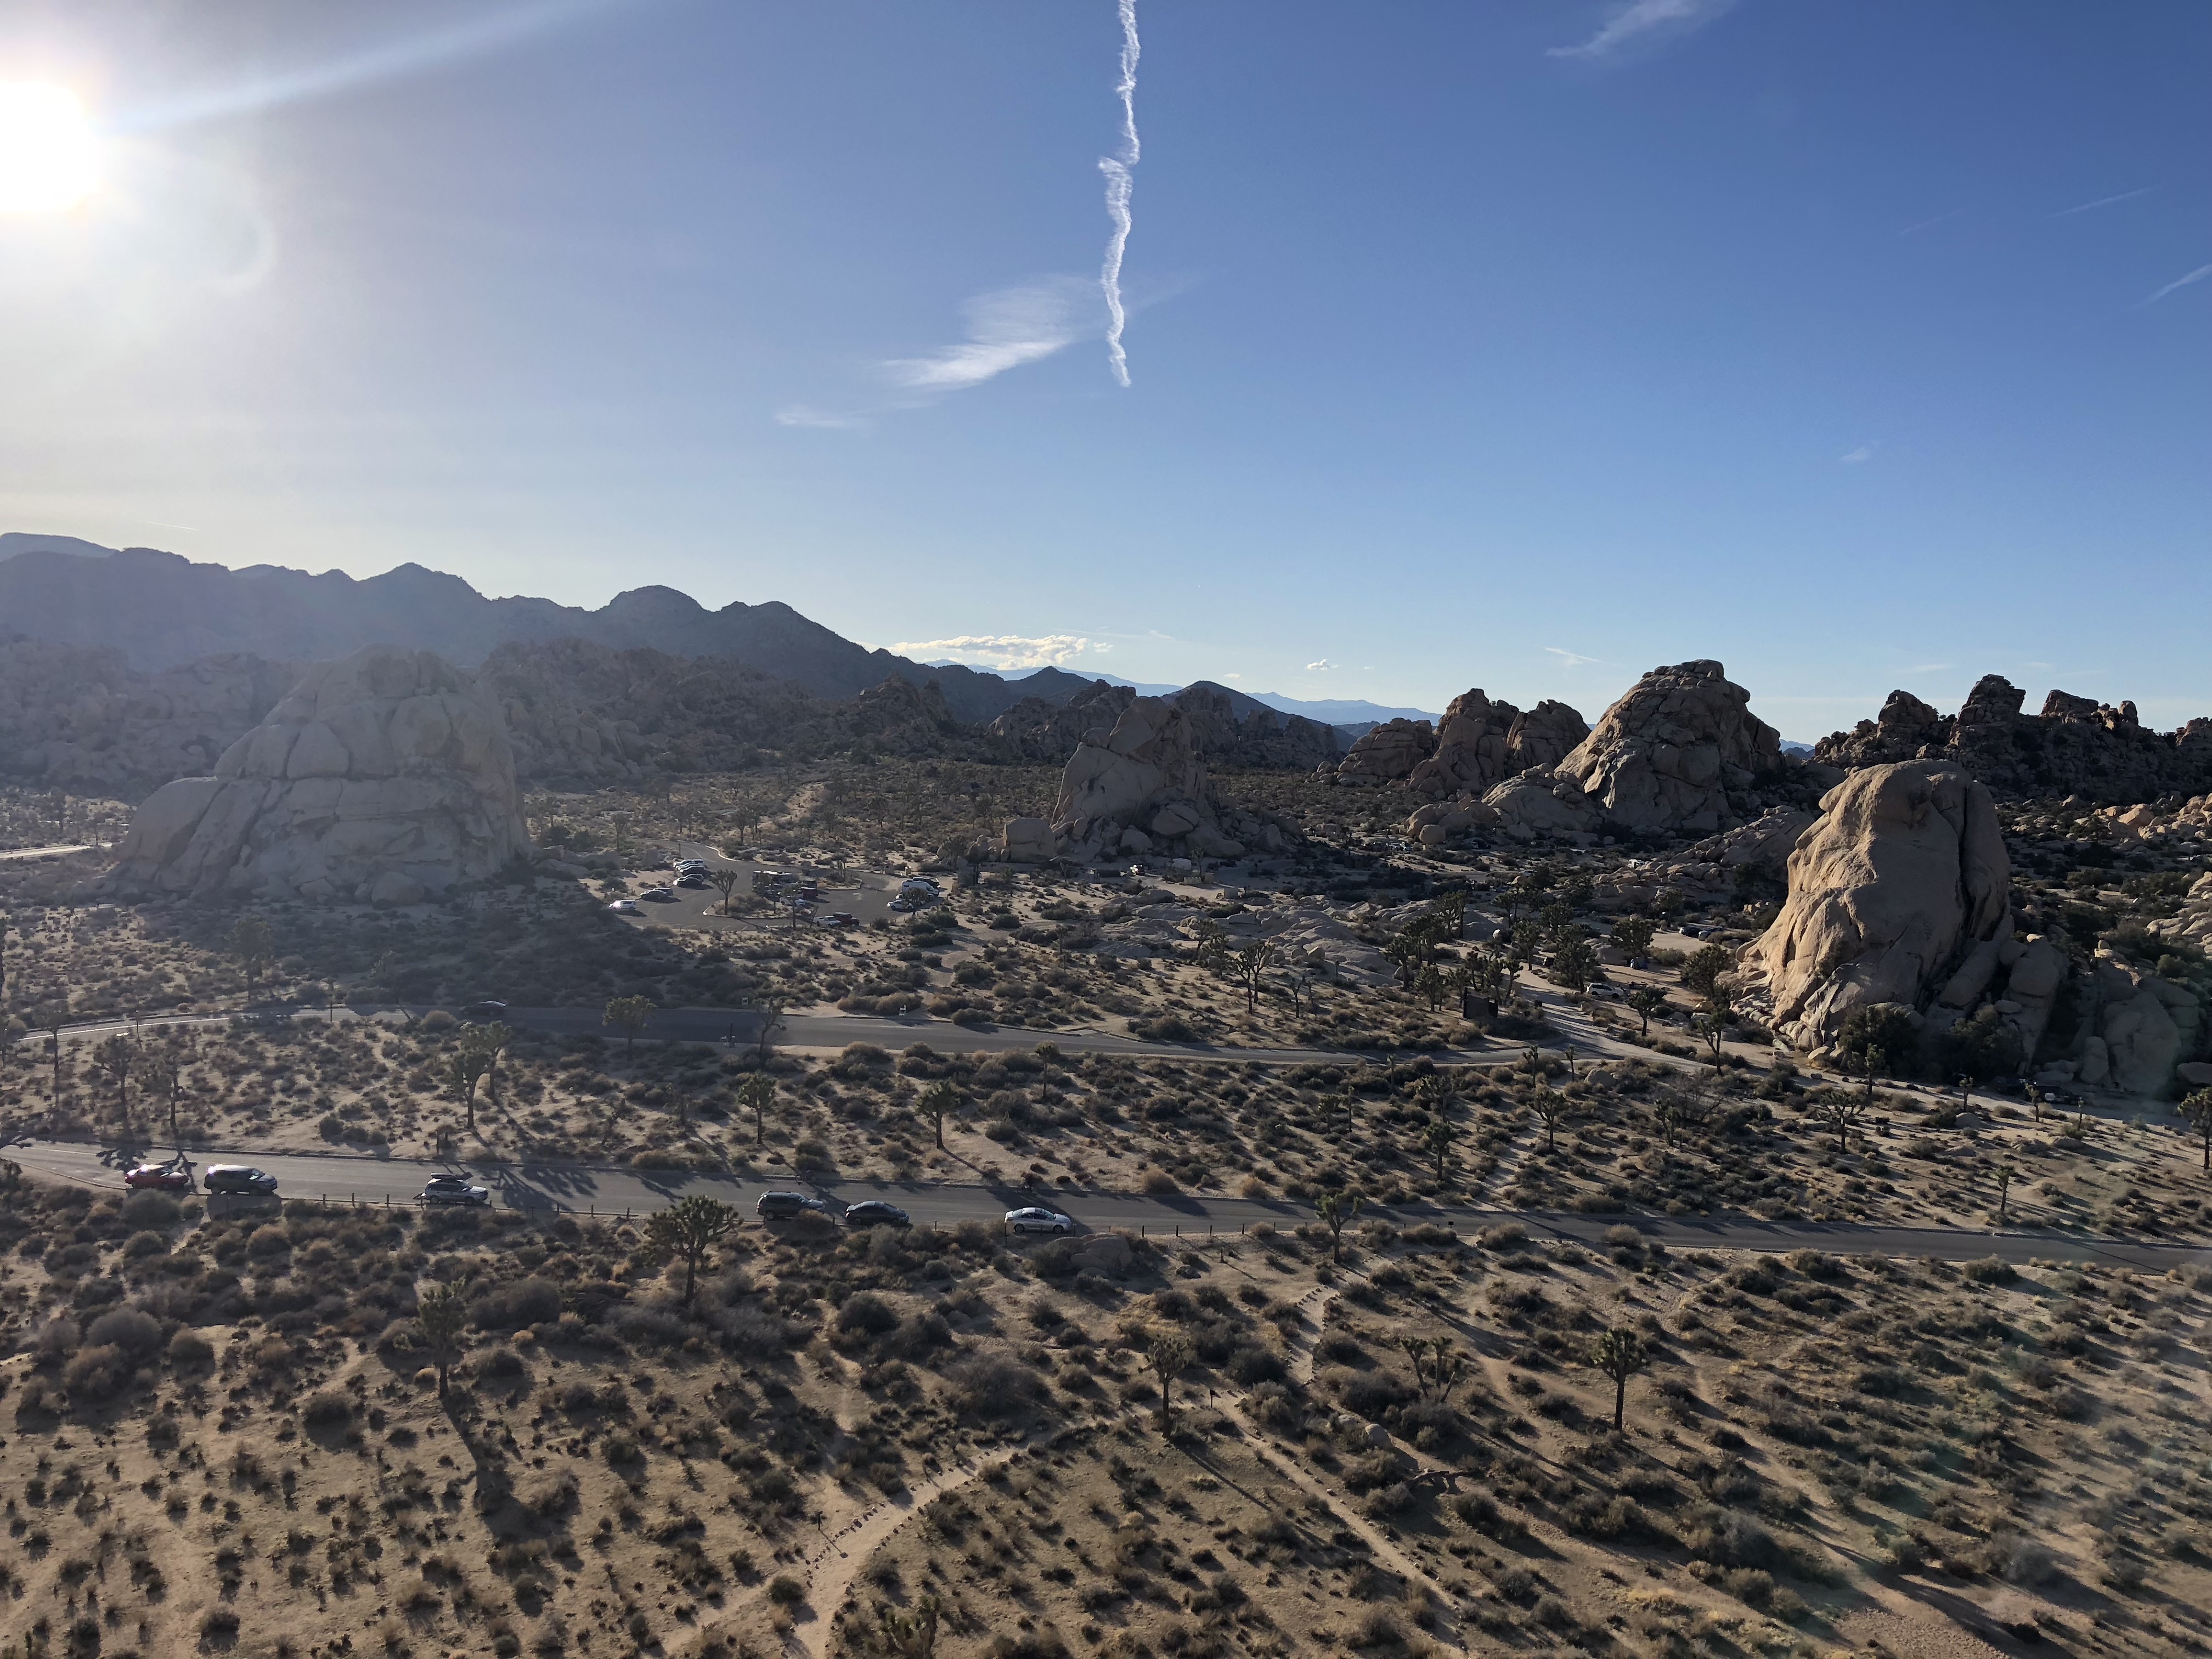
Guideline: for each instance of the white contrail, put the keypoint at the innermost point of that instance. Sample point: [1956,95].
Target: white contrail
[1118,186]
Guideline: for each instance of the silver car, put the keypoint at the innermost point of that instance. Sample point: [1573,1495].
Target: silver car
[1035,1218]
[453,1189]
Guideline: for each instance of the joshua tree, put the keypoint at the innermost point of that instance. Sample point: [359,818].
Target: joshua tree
[1551,1108]
[631,1014]
[1438,1366]
[163,1067]
[252,944]
[1574,962]
[1833,1109]
[1335,1209]
[771,1022]
[1705,966]
[1676,1111]
[465,1069]
[757,1094]
[491,1041]
[726,883]
[1249,967]
[1440,1137]
[1712,1031]
[441,1314]
[1633,935]
[1876,1037]
[1646,1000]
[688,1231]
[2196,1112]
[1169,1354]
[2005,1174]
[1619,1354]
[941,1098]
[911,1635]
[117,1057]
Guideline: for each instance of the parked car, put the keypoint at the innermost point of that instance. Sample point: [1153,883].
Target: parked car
[489,1008]
[899,905]
[659,895]
[690,864]
[238,1178]
[452,1189]
[625,908]
[1035,1218]
[693,878]
[161,1177]
[841,919]
[774,1206]
[874,1212]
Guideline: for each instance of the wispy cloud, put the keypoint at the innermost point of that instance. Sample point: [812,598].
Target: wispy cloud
[2195,276]
[1005,650]
[1645,20]
[1575,660]
[1323,666]
[823,419]
[1863,453]
[1929,224]
[2104,202]
[1005,329]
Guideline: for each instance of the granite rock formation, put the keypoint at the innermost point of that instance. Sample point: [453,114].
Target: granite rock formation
[1682,751]
[1386,753]
[1144,781]
[2075,746]
[1482,743]
[385,777]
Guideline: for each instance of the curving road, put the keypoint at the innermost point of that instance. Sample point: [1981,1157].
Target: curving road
[607,1189]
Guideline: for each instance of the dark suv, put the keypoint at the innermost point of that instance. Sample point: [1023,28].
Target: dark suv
[773,1207]
[237,1178]
[874,1212]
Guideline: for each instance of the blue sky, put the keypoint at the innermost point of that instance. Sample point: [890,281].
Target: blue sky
[1524,346]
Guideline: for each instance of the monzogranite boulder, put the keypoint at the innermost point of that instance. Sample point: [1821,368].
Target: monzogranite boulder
[1901,884]
[1146,775]
[1481,743]
[1385,753]
[385,777]
[1682,751]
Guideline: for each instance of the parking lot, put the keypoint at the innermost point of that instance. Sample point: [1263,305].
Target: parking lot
[865,896]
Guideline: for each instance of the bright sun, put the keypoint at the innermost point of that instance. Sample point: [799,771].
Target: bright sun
[47,152]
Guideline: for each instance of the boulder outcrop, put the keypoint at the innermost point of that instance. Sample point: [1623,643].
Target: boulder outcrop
[1680,751]
[1232,729]
[2075,746]
[1482,742]
[1146,775]
[1042,734]
[1900,891]
[1386,753]
[385,777]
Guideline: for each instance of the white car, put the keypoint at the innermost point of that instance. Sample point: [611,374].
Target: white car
[625,908]
[1035,1218]
[684,864]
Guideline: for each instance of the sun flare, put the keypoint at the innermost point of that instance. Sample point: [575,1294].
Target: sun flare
[48,156]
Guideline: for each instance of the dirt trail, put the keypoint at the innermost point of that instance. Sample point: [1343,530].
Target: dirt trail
[832,1569]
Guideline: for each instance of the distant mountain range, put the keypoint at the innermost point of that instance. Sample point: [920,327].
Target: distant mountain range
[162,610]
[1340,711]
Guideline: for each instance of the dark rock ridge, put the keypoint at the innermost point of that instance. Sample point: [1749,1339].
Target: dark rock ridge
[161,611]
[2075,746]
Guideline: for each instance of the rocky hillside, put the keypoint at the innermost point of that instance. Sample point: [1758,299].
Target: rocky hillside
[2075,746]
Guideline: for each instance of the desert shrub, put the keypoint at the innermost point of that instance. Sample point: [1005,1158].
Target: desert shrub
[1990,1270]
[1728,1538]
[1387,1500]
[267,1240]
[189,1350]
[329,1409]
[501,1364]
[919,1334]
[137,1334]
[139,1246]
[785,1591]
[57,1337]
[864,1312]
[1252,1364]
[220,1625]
[993,1385]
[510,1307]
[1505,1239]
[151,1209]
[94,1373]
[1369,1394]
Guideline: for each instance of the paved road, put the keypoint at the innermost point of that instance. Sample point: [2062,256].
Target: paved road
[583,1190]
[44,852]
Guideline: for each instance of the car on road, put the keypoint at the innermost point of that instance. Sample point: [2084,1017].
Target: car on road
[160,1178]
[1035,1218]
[452,1189]
[659,895]
[874,1212]
[238,1178]
[625,908]
[489,1008]
[841,919]
[777,1206]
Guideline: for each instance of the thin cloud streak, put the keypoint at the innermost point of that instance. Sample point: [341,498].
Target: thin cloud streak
[1863,453]
[2195,276]
[1643,18]
[1005,329]
[2104,202]
[1575,660]
[1120,188]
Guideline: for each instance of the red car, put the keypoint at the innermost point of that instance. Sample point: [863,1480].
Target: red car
[167,1177]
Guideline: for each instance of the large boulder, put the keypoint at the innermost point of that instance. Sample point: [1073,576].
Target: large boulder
[1147,774]
[1387,752]
[1029,841]
[1892,892]
[381,778]
[1479,743]
[1682,751]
